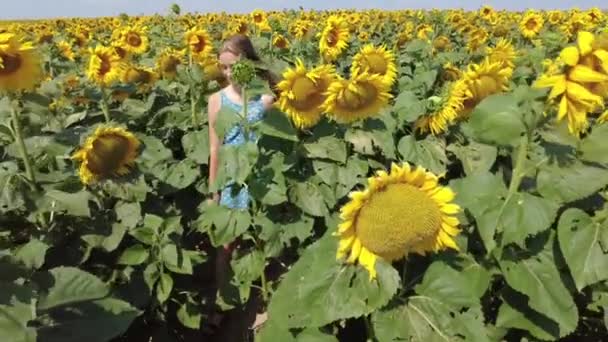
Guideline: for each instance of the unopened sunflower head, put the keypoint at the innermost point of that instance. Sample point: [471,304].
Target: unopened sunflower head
[400,212]
[243,72]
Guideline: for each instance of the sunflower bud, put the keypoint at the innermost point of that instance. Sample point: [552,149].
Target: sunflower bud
[243,72]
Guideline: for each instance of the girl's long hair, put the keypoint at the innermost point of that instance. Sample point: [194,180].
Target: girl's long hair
[240,45]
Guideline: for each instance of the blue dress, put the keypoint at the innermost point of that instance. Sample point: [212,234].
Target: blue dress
[236,136]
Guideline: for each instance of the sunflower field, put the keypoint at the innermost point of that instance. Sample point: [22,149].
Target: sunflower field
[434,175]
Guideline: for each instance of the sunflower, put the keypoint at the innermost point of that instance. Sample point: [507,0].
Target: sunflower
[555,17]
[280,42]
[446,109]
[303,93]
[503,52]
[144,78]
[65,49]
[167,62]
[20,67]
[109,152]
[376,60]
[477,37]
[531,24]
[441,43]
[212,71]
[134,39]
[199,42]
[105,65]
[482,80]
[360,97]
[334,38]
[401,212]
[258,16]
[423,31]
[449,72]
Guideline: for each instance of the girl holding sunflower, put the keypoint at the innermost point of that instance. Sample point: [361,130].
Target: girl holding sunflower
[237,47]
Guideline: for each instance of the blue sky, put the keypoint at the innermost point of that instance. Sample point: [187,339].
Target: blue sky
[17,9]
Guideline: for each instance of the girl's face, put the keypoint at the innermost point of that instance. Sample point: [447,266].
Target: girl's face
[227,59]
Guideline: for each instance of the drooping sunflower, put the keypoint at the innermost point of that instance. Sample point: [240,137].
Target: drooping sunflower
[401,212]
[448,107]
[424,31]
[303,93]
[531,24]
[133,39]
[280,42]
[482,80]
[450,72]
[199,42]
[107,153]
[105,66]
[143,77]
[20,67]
[376,60]
[334,38]
[167,62]
[502,52]
[361,96]
[65,49]
[477,38]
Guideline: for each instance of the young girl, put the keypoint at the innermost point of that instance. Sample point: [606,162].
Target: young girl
[238,46]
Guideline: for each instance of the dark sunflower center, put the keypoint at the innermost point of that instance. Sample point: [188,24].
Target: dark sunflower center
[170,64]
[396,218]
[376,63]
[531,24]
[9,64]
[332,38]
[133,39]
[199,44]
[108,154]
[105,66]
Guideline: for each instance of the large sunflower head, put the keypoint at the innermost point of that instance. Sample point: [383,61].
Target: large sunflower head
[144,78]
[105,65]
[303,93]
[20,67]
[445,110]
[401,212]
[376,60]
[109,152]
[485,79]
[65,49]
[502,52]
[334,38]
[134,39]
[199,42]
[361,96]
[531,24]
[168,61]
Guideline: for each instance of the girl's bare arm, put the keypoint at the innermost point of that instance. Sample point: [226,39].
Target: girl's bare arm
[213,108]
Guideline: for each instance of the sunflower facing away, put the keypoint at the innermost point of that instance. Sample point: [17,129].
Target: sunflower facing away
[303,93]
[334,38]
[360,97]
[109,152]
[20,67]
[401,212]
[105,65]
[143,77]
[376,60]
[167,62]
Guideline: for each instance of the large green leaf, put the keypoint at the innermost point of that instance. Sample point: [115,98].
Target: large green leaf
[11,191]
[76,204]
[134,255]
[497,120]
[196,145]
[319,290]
[326,148]
[154,151]
[96,321]
[222,224]
[277,124]
[308,197]
[408,106]
[178,175]
[515,313]
[579,238]
[176,260]
[189,315]
[538,278]
[428,153]
[475,157]
[567,183]
[70,285]
[32,254]
[14,322]
[594,148]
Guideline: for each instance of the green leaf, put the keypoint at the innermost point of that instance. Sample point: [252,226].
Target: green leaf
[223,224]
[308,197]
[196,145]
[594,148]
[319,290]
[83,321]
[178,175]
[579,239]
[14,322]
[475,157]
[408,107]
[326,148]
[128,214]
[189,315]
[154,151]
[276,124]
[11,192]
[71,285]
[237,161]
[428,153]
[567,183]
[314,335]
[496,120]
[524,215]
[164,288]
[32,254]
[226,120]
[134,255]
[176,261]
[515,313]
[538,278]
[75,204]
[135,190]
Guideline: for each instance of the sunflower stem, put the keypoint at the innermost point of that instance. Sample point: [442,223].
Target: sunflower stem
[105,108]
[29,170]
[244,116]
[192,94]
[519,169]
[369,329]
